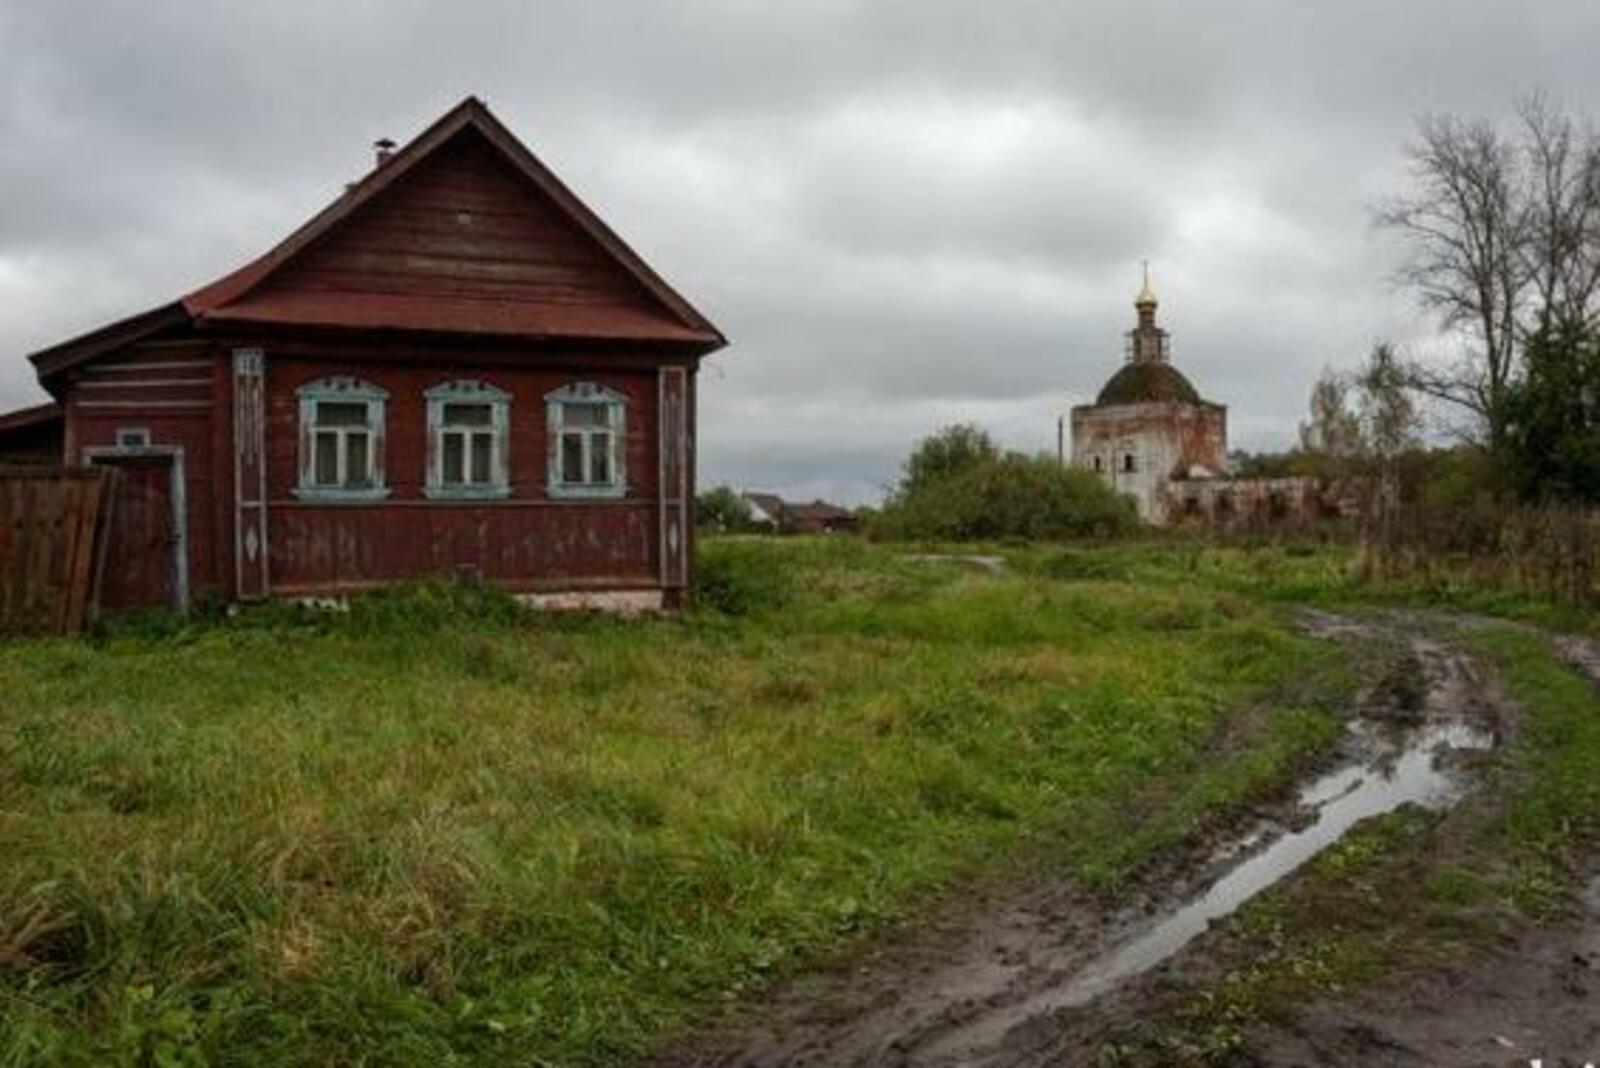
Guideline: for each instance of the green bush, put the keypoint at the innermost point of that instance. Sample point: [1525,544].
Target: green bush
[1004,496]
[739,579]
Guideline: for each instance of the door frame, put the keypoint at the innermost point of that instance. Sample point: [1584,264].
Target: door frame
[110,454]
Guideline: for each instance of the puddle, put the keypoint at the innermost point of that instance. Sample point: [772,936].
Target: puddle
[1414,771]
[993,995]
[995,565]
[1340,800]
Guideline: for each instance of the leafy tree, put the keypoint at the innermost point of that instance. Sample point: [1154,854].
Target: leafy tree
[1332,429]
[1358,421]
[950,451]
[720,508]
[958,486]
[1386,416]
[1242,464]
[1551,449]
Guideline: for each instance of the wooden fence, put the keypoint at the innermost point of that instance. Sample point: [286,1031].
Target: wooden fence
[52,542]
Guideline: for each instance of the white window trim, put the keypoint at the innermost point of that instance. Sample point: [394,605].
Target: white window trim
[469,391]
[337,390]
[617,416]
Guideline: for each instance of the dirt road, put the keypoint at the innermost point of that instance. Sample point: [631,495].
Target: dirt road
[1047,975]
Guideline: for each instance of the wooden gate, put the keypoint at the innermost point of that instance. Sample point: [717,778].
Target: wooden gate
[51,536]
[146,557]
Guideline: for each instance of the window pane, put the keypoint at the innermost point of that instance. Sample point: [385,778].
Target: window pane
[325,462]
[341,413]
[572,458]
[468,415]
[600,458]
[356,472]
[452,460]
[578,414]
[482,451]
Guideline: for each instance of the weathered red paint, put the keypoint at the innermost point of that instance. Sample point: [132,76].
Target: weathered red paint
[140,565]
[527,541]
[461,258]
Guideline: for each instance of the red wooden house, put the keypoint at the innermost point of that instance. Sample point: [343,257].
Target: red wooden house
[454,369]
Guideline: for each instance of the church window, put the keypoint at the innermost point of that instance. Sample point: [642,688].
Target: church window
[1099,463]
[1127,462]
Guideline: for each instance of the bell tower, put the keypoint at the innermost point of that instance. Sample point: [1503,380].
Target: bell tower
[1147,342]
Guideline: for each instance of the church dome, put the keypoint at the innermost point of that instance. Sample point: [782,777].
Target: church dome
[1146,381]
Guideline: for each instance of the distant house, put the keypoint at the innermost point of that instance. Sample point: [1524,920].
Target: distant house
[771,512]
[766,510]
[456,368]
[820,517]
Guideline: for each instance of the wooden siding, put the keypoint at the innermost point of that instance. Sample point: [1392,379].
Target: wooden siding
[520,545]
[174,391]
[462,242]
[526,541]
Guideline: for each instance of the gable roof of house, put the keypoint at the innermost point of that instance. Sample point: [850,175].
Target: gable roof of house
[819,511]
[272,289]
[769,503]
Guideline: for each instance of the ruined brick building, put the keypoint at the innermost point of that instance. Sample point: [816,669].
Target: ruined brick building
[1152,437]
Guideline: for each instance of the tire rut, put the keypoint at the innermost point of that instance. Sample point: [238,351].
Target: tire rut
[1009,984]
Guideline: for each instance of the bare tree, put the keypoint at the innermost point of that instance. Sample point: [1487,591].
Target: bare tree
[1503,238]
[1563,240]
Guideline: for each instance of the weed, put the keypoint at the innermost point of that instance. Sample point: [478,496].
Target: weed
[740,579]
[431,827]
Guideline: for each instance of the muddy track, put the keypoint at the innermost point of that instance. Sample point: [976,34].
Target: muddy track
[1535,1001]
[1033,978]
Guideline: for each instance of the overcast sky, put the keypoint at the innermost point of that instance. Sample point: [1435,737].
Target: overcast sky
[902,213]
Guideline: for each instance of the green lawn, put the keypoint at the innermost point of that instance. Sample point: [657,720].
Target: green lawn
[437,830]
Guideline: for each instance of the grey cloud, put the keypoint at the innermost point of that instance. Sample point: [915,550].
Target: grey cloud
[902,211]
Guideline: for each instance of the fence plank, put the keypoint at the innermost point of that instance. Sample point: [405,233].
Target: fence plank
[52,529]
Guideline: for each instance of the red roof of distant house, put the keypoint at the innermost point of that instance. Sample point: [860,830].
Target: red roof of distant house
[818,511]
[249,295]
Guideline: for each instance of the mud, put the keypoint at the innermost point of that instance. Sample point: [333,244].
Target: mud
[1536,1001]
[1033,979]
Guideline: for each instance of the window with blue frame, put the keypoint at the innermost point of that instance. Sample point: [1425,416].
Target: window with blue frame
[588,434]
[469,447]
[341,440]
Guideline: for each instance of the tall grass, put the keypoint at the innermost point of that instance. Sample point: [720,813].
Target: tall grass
[436,829]
[1548,552]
